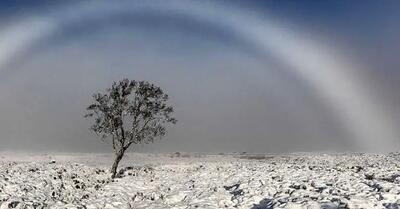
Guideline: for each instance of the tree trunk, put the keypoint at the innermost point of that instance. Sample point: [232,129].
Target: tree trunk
[118,157]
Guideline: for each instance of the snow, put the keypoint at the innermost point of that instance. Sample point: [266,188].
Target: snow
[299,180]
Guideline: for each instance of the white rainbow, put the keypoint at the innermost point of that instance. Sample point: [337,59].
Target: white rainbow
[331,75]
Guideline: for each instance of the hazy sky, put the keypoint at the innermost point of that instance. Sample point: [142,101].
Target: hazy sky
[255,76]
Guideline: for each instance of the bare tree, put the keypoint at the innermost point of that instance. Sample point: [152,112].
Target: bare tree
[130,112]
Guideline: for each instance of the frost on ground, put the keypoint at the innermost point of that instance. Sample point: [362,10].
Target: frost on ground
[256,181]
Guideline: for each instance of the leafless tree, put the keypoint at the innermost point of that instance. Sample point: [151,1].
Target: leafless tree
[130,112]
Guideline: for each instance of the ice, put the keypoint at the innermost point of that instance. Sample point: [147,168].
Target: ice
[300,180]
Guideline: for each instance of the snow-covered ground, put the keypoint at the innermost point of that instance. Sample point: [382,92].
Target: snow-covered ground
[302,180]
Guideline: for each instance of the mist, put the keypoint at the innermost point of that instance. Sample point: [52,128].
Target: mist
[316,83]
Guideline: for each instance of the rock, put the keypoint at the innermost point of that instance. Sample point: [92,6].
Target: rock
[369,176]
[13,204]
[173,199]
[391,206]
[264,204]
[329,206]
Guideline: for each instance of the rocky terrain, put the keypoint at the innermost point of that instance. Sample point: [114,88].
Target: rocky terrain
[253,181]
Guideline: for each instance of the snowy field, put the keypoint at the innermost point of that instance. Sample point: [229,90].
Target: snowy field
[182,180]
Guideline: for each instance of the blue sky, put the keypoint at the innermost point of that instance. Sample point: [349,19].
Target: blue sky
[234,88]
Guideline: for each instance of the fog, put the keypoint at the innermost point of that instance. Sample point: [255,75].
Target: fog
[316,82]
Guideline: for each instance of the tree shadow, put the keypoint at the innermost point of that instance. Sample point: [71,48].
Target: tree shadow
[264,204]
